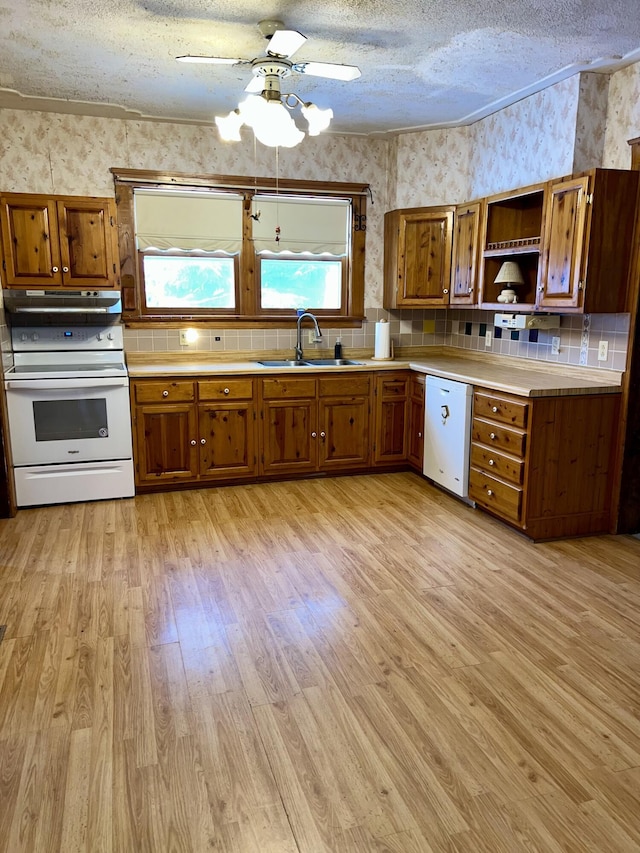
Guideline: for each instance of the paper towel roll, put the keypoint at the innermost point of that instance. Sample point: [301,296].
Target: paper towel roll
[382,348]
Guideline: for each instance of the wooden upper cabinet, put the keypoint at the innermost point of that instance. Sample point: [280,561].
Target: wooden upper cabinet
[512,230]
[464,274]
[417,264]
[588,239]
[59,241]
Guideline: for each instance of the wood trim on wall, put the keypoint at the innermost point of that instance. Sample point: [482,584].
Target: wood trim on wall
[627,494]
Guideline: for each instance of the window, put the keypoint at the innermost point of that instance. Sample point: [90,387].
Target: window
[230,249]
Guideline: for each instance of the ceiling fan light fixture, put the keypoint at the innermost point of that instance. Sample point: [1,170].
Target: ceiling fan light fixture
[318,118]
[229,126]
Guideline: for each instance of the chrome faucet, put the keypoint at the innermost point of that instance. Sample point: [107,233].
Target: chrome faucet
[299,334]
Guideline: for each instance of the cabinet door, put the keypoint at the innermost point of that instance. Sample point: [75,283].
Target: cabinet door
[561,284]
[415,437]
[344,432]
[87,242]
[30,241]
[465,255]
[166,442]
[226,439]
[390,443]
[290,436]
[418,257]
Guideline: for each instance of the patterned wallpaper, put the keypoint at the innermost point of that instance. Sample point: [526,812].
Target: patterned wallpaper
[623,117]
[538,138]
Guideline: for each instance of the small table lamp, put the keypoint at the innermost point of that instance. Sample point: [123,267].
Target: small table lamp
[509,275]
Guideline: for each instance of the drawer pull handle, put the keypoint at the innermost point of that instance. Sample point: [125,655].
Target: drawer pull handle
[494,409]
[165,393]
[491,462]
[193,442]
[492,435]
[226,390]
[203,441]
[489,492]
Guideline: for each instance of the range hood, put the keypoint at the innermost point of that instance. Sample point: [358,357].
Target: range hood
[62,302]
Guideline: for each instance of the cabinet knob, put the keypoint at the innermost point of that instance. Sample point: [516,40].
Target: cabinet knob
[489,492]
[446,290]
[54,269]
[469,290]
[226,390]
[165,393]
[419,435]
[323,435]
[491,462]
[581,285]
[494,409]
[65,269]
[203,441]
[540,288]
[193,442]
[492,435]
[314,435]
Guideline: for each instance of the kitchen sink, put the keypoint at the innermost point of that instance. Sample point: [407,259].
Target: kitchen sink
[311,362]
[331,362]
[284,362]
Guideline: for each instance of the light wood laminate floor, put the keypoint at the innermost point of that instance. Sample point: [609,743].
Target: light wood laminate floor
[345,665]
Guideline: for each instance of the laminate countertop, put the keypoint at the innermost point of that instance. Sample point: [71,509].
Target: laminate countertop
[522,377]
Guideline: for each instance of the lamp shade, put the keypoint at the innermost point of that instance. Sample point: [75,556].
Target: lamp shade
[509,273]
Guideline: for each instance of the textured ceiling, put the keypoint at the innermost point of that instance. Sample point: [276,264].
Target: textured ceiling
[424,64]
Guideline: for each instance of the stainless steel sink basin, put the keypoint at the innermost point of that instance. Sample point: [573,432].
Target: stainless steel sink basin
[331,362]
[284,362]
[311,362]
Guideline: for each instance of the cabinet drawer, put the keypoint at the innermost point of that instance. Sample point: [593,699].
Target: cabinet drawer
[417,386]
[162,392]
[392,387]
[496,435]
[502,409]
[278,388]
[502,498]
[350,385]
[497,464]
[225,389]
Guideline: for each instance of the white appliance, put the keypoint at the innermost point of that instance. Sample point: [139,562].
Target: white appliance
[447,434]
[68,406]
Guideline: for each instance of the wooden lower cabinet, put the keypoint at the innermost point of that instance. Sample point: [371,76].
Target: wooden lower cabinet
[391,396]
[193,430]
[311,424]
[544,464]
[415,435]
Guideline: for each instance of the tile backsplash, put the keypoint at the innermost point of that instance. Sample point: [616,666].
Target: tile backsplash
[466,329]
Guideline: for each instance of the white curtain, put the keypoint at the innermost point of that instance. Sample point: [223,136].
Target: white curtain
[313,225]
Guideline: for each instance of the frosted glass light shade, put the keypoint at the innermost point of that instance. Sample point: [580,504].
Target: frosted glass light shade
[318,119]
[509,273]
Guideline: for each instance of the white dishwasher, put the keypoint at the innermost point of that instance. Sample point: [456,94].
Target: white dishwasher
[447,433]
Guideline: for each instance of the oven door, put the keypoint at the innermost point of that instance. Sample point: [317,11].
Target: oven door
[68,420]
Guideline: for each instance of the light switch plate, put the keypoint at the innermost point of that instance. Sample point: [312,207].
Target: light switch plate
[555,345]
[488,338]
[603,350]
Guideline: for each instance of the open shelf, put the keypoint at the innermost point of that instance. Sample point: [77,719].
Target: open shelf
[528,263]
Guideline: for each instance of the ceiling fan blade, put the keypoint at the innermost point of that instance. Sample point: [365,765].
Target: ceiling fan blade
[256,84]
[327,69]
[285,42]
[213,60]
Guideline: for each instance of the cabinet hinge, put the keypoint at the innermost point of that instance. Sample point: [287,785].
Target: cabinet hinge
[4,264]
[111,222]
[114,268]
[589,198]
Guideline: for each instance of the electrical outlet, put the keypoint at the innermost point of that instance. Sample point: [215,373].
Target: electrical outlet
[188,337]
[488,337]
[603,350]
[555,345]
[312,337]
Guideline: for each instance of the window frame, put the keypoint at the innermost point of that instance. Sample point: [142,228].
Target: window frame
[321,312]
[248,312]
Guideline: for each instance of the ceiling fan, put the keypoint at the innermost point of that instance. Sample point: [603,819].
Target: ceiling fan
[276,62]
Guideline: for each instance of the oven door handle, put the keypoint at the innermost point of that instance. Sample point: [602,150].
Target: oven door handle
[65,385]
